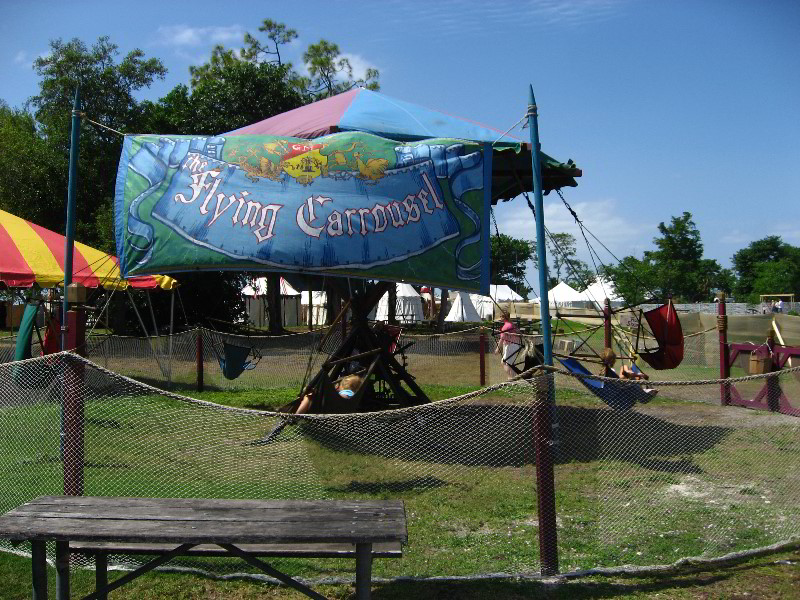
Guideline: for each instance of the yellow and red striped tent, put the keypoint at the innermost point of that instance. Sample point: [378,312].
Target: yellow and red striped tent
[32,254]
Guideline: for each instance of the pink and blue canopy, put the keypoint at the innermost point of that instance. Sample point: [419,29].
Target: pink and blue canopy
[373,112]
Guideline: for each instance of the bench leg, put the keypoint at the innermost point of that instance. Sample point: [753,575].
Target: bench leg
[39,570]
[101,573]
[363,571]
[62,570]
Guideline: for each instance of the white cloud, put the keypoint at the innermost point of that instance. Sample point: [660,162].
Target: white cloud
[621,234]
[359,64]
[25,59]
[185,36]
[572,12]
[789,231]
[736,237]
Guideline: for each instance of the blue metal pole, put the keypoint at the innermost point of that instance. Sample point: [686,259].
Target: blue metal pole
[533,126]
[69,243]
[544,406]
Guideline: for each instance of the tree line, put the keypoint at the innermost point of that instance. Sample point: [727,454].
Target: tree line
[675,268]
[234,88]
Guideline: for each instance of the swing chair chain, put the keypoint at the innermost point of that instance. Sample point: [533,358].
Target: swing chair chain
[569,208]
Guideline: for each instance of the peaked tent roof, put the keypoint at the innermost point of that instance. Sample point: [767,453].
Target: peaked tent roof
[484,305]
[462,310]
[563,293]
[259,288]
[408,307]
[503,293]
[373,112]
[32,254]
[601,289]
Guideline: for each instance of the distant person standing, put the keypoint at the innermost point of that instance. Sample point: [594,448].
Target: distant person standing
[774,306]
[510,344]
[779,305]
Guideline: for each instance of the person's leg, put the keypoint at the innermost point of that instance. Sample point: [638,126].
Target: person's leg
[304,406]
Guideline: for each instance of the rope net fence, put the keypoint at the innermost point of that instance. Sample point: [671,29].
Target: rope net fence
[645,474]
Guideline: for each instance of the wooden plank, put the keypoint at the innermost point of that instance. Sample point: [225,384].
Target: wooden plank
[191,514]
[33,528]
[213,502]
[307,550]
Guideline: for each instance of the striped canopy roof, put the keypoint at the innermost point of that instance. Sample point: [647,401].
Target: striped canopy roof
[32,254]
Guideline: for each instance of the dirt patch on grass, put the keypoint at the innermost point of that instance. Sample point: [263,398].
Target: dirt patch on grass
[721,416]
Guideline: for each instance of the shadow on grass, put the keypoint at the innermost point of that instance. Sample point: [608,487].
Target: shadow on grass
[500,435]
[761,577]
[418,483]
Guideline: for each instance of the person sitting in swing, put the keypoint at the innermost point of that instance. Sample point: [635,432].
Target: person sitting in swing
[346,387]
[626,372]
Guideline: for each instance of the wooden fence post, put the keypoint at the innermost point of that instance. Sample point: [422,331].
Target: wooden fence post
[543,410]
[199,358]
[482,343]
[73,409]
[724,363]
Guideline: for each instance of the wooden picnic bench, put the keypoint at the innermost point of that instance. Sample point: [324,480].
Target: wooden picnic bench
[170,527]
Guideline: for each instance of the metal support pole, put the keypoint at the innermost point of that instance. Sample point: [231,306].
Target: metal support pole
[545,405]
[39,569]
[69,242]
[363,571]
[724,363]
[199,357]
[152,313]
[482,344]
[310,309]
[607,330]
[171,334]
[62,570]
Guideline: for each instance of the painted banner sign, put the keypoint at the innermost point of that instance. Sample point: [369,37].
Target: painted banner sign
[347,204]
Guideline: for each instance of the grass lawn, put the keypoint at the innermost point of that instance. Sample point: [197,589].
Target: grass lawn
[771,576]
[672,478]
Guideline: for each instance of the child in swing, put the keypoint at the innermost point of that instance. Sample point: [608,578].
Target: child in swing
[346,388]
[625,372]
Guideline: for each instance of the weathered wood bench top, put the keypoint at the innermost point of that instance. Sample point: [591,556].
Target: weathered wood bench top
[170,527]
[205,521]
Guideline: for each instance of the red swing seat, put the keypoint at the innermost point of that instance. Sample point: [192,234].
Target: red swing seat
[668,333]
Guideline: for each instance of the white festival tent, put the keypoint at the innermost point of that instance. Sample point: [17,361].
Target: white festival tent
[255,296]
[500,293]
[462,310]
[601,289]
[408,307]
[319,306]
[564,296]
[259,288]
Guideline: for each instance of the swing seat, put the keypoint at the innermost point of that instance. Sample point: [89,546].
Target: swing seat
[234,360]
[29,375]
[619,396]
[667,330]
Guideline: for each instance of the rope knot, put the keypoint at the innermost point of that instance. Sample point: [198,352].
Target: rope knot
[533,111]
[722,322]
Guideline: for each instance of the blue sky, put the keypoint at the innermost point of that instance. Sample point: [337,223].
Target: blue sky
[666,106]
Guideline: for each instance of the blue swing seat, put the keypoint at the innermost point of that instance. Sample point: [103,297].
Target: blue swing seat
[235,361]
[619,396]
